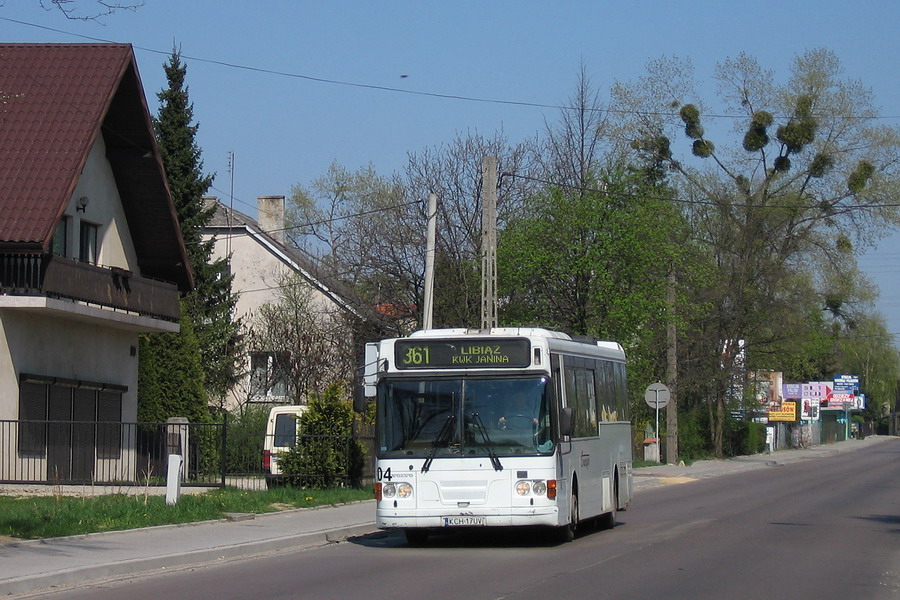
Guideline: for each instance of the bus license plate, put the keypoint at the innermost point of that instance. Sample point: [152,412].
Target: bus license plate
[463,521]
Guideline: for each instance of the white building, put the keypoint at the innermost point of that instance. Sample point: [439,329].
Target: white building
[259,262]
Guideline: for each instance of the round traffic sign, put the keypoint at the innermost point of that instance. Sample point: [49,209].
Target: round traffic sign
[657,395]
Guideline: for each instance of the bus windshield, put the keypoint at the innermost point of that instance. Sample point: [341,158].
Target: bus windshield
[464,417]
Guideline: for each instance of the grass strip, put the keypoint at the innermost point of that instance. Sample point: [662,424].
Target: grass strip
[36,517]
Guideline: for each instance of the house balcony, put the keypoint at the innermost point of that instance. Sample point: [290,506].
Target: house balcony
[109,288]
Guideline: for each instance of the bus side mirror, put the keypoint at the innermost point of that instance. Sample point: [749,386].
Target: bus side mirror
[567,421]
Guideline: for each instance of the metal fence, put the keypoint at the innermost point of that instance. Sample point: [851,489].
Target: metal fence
[127,454]
[104,453]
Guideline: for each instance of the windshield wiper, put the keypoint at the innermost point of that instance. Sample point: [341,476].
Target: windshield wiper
[443,437]
[487,442]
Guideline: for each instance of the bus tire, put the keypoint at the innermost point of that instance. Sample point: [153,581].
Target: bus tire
[416,537]
[566,533]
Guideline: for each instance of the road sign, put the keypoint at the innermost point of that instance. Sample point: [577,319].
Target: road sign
[657,395]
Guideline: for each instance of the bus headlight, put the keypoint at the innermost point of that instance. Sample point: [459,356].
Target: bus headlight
[400,490]
[526,488]
[404,490]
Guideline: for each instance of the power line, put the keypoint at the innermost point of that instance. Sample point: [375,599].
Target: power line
[368,86]
[332,219]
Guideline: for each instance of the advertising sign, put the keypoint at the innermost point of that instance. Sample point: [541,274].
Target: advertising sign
[786,412]
[775,382]
[816,389]
[846,383]
[809,409]
[838,400]
[792,391]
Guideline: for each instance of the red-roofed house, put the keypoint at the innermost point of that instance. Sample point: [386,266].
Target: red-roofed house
[91,254]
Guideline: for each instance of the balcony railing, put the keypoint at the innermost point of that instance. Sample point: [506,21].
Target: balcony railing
[110,287]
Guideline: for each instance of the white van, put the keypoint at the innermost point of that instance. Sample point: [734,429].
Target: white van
[281,435]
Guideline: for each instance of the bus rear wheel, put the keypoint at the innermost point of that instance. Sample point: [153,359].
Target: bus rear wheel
[608,521]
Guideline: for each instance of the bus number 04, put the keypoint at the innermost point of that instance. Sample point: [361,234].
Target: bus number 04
[382,474]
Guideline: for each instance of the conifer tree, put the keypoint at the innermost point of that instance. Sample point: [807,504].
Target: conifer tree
[210,306]
[170,378]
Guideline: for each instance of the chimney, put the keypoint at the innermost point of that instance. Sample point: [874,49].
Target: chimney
[271,216]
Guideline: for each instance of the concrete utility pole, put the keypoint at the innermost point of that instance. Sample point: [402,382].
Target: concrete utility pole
[672,378]
[428,310]
[488,242]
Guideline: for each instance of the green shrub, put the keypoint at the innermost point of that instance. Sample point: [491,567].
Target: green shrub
[693,434]
[744,438]
[246,433]
[326,454]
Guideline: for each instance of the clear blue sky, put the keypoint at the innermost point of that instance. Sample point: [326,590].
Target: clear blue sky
[262,74]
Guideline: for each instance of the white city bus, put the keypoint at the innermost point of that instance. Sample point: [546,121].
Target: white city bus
[511,427]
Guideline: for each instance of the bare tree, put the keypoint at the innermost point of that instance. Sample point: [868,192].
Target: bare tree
[78,10]
[369,230]
[297,345]
[453,173]
[572,150]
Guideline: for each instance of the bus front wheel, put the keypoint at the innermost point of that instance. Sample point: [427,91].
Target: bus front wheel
[567,531]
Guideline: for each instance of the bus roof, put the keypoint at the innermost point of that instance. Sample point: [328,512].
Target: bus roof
[556,339]
[499,331]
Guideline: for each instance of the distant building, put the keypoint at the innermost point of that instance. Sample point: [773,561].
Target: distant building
[259,261]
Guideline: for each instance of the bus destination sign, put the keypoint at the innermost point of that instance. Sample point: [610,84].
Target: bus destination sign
[462,353]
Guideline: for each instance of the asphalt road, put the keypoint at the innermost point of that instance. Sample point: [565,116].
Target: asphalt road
[824,529]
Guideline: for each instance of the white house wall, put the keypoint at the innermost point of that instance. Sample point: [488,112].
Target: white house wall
[104,208]
[34,344]
[258,267]
[51,343]
[258,272]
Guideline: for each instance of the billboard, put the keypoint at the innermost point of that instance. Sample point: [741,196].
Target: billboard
[786,412]
[809,409]
[792,391]
[848,384]
[818,390]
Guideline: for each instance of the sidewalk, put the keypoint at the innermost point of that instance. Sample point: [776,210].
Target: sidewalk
[27,566]
[649,477]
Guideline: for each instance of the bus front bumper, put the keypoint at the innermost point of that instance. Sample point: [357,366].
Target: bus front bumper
[506,517]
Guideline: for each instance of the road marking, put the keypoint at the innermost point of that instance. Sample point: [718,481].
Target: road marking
[675,480]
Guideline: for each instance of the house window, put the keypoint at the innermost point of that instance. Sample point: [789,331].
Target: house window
[32,408]
[89,249]
[269,374]
[109,426]
[61,238]
[69,425]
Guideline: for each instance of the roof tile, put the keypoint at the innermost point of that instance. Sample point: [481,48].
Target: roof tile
[52,100]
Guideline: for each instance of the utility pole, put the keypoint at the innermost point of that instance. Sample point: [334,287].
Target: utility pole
[428,311]
[230,204]
[672,378]
[488,242]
